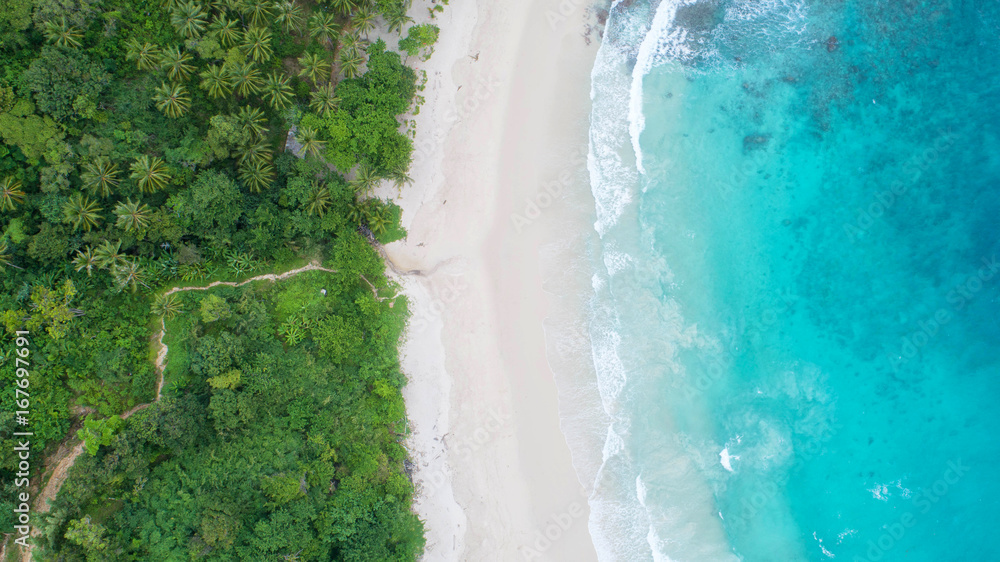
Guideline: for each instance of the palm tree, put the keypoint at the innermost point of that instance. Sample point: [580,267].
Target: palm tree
[188,19]
[364,20]
[11,194]
[133,216]
[318,200]
[366,180]
[399,175]
[63,34]
[145,55]
[246,79]
[128,273]
[277,91]
[310,141]
[350,41]
[172,99]
[355,213]
[323,27]
[221,6]
[376,219]
[323,99]
[350,63]
[167,306]
[258,152]
[256,175]
[314,66]
[82,213]
[217,81]
[289,16]
[176,63]
[85,260]
[396,20]
[345,7]
[259,11]
[226,30]
[5,257]
[251,120]
[108,255]
[257,43]
[100,177]
[150,173]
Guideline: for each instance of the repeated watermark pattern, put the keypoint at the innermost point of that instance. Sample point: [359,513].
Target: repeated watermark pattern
[913,169]
[549,192]
[923,501]
[958,298]
[554,529]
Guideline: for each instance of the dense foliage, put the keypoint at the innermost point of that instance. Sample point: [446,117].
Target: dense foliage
[284,441]
[144,147]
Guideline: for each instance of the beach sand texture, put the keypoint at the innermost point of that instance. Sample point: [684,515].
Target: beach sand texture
[507,107]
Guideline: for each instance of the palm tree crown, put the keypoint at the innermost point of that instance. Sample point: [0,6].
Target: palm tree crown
[11,194]
[217,81]
[290,16]
[63,34]
[226,30]
[108,255]
[176,63]
[277,91]
[85,260]
[258,11]
[133,216]
[257,43]
[345,7]
[150,173]
[310,141]
[100,176]
[188,19]
[323,27]
[246,79]
[145,55]
[366,180]
[318,200]
[256,175]
[350,63]
[396,20]
[252,120]
[323,99]
[82,213]
[314,67]
[172,99]
[364,21]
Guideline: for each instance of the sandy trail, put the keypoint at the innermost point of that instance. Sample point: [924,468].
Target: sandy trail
[67,453]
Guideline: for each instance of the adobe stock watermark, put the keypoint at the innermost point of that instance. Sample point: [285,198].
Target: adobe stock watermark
[913,170]
[563,11]
[718,364]
[480,438]
[482,90]
[428,312]
[549,192]
[768,490]
[923,501]
[552,531]
[957,298]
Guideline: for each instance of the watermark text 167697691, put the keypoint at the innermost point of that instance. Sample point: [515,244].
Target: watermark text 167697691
[22,437]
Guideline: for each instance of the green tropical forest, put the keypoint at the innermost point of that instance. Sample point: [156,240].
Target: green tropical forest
[148,150]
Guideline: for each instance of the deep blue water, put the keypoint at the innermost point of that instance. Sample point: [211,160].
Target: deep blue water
[796,317]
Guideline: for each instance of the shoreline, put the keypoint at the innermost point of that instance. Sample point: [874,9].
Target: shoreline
[507,111]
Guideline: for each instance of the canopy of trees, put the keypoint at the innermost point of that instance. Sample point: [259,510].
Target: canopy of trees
[143,147]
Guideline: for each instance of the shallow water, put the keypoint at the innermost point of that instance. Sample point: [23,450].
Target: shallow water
[795,309]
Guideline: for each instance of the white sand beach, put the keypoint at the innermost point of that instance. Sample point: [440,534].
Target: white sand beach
[507,104]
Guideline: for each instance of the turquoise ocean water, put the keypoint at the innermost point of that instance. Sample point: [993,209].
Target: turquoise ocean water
[796,310]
